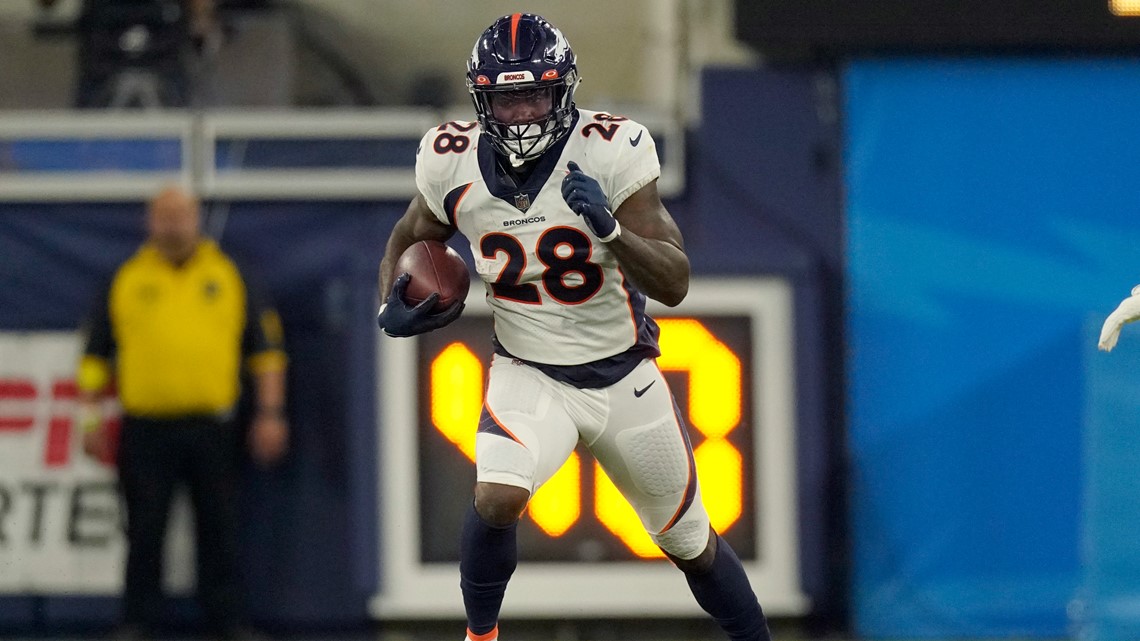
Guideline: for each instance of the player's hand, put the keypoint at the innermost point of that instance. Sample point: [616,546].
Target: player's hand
[97,442]
[1126,312]
[398,318]
[97,445]
[585,197]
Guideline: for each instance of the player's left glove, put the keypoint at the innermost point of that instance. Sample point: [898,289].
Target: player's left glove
[585,197]
[1126,312]
[400,319]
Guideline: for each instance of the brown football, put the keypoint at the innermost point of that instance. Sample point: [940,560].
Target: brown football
[435,268]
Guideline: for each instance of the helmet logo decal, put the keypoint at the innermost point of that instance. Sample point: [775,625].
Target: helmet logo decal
[515,76]
[550,74]
[482,80]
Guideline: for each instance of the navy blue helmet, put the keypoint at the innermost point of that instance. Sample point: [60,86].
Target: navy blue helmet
[523,53]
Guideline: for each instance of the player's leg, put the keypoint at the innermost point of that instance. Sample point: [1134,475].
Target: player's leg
[212,479]
[149,467]
[717,580]
[645,451]
[488,554]
[524,437]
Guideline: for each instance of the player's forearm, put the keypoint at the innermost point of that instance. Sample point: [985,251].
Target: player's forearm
[388,265]
[271,391]
[659,268]
[90,411]
[402,238]
[418,223]
[90,402]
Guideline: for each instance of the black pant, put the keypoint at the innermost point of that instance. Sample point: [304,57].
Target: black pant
[154,458]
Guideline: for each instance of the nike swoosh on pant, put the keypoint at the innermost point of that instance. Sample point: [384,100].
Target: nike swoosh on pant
[639,392]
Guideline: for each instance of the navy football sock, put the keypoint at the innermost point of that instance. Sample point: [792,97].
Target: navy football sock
[723,591]
[487,558]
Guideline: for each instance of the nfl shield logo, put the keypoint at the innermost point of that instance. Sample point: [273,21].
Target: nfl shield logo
[522,202]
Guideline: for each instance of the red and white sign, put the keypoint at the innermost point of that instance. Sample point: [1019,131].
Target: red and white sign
[60,516]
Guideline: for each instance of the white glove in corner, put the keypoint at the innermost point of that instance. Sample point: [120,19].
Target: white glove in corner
[1126,312]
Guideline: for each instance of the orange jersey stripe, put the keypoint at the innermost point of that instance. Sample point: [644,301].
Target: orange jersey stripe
[452,200]
[689,481]
[455,212]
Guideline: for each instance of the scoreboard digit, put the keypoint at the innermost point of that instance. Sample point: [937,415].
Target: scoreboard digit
[726,354]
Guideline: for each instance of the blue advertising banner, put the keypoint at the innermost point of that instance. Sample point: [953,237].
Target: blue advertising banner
[991,208]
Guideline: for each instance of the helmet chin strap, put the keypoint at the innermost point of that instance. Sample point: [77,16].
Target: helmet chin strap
[515,161]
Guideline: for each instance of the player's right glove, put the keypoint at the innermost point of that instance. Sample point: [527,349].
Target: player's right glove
[398,318]
[1126,312]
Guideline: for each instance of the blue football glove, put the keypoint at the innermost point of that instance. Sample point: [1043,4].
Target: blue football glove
[584,196]
[398,318]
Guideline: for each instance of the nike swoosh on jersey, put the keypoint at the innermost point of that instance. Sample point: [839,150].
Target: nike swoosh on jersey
[636,141]
[639,392]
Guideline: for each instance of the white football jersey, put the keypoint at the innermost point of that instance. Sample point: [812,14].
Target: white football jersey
[556,292]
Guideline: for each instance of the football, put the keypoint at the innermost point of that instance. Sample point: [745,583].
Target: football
[434,268]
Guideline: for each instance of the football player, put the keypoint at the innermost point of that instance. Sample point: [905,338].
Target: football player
[561,209]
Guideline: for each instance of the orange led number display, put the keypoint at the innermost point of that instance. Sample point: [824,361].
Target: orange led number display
[714,410]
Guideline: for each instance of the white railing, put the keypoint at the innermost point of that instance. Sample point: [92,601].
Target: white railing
[94,184]
[200,138]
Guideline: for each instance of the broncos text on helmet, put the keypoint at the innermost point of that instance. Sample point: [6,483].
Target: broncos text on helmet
[523,55]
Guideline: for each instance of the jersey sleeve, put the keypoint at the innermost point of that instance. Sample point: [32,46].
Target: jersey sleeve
[262,341]
[99,345]
[635,163]
[431,170]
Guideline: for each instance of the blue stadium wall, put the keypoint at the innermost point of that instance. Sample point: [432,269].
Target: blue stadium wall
[762,197]
[992,218]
